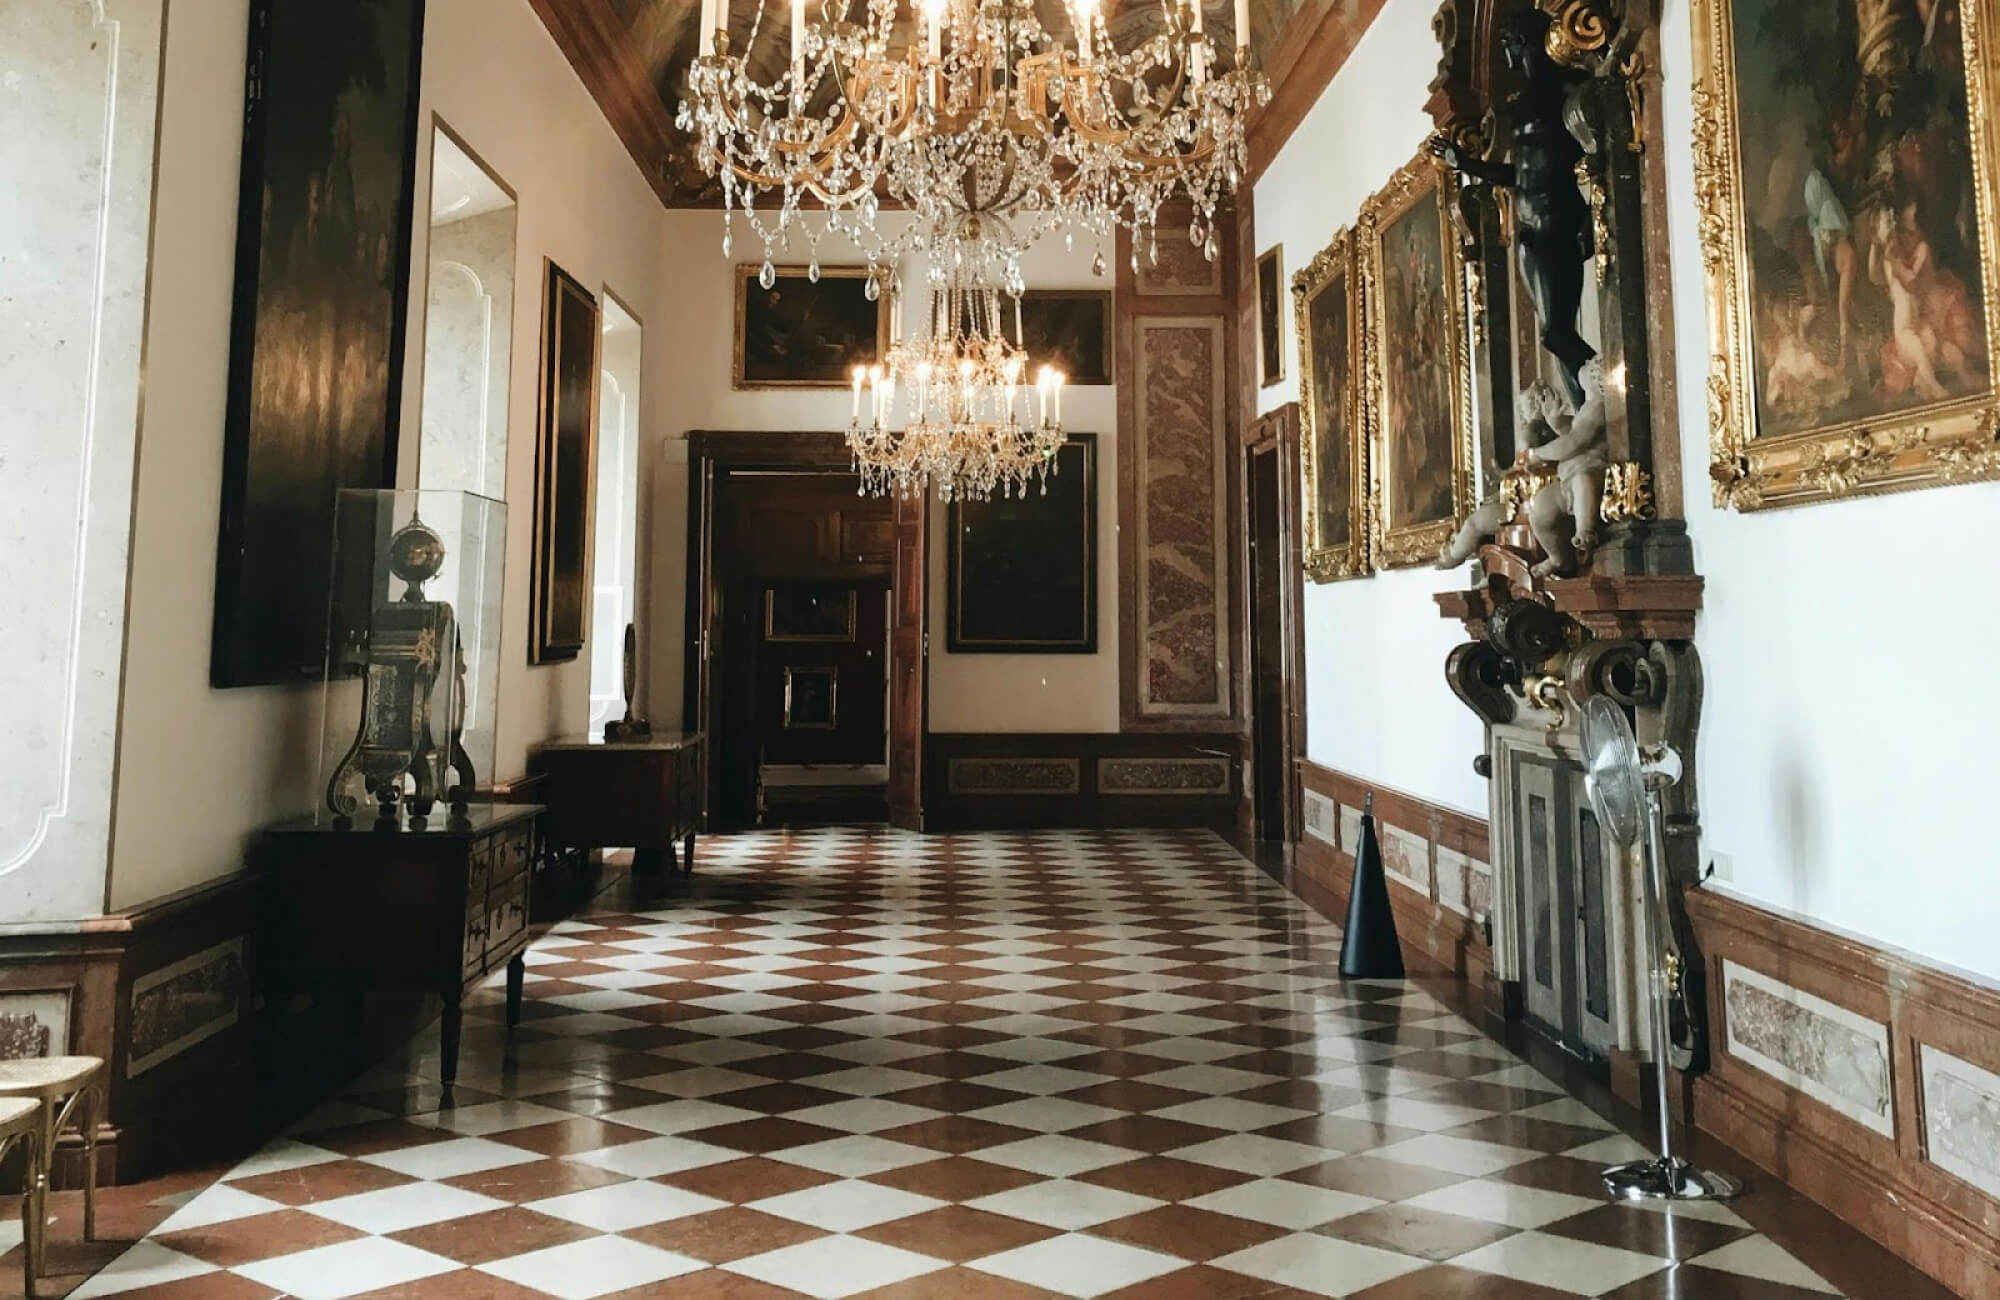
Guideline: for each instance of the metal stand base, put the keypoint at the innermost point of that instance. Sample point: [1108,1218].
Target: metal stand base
[1667,1178]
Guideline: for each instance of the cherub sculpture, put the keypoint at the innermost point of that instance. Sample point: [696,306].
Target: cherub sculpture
[1561,472]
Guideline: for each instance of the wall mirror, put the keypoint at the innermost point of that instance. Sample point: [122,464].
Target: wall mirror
[468,323]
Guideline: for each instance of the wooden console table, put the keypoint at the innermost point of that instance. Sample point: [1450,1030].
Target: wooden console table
[644,794]
[401,910]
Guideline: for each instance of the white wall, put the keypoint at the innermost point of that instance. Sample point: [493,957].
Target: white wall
[1846,751]
[1020,693]
[1377,706]
[200,770]
[1847,747]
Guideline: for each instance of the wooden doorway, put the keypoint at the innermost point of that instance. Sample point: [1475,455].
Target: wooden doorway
[794,584]
[1273,524]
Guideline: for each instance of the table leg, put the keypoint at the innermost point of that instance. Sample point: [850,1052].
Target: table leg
[452,1024]
[651,860]
[687,854]
[517,971]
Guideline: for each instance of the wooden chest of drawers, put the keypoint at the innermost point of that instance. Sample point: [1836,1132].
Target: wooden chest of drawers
[434,910]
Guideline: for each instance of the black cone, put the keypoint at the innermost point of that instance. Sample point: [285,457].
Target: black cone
[1368,950]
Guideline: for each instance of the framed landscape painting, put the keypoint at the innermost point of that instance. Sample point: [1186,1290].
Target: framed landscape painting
[1333,439]
[316,335]
[801,334]
[1419,366]
[1023,570]
[560,588]
[1845,162]
[1270,317]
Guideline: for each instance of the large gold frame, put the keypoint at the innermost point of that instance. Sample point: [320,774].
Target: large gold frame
[746,275]
[1419,544]
[1957,441]
[1354,560]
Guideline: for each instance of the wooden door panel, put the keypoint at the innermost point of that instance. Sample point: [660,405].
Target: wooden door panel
[908,638]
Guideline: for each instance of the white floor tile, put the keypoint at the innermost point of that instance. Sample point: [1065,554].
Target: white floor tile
[1061,1203]
[1079,1265]
[832,1267]
[1251,1154]
[617,1207]
[1761,1258]
[855,1157]
[651,1157]
[1056,1156]
[681,1115]
[146,1264]
[221,1203]
[592,1267]
[1496,1202]
[1297,1206]
[847,1206]
[1582,1267]
[350,1268]
[412,1205]
[1322,1265]
[452,1158]
[1464,1156]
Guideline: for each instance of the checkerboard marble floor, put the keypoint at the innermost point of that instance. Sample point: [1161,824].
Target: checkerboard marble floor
[858,1062]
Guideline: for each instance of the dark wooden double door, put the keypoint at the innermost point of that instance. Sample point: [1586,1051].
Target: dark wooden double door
[806,613]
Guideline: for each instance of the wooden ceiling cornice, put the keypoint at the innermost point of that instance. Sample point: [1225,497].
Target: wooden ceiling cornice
[594,39]
[1317,43]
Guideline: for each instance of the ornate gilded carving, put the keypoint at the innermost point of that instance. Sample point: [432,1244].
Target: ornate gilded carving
[1579,30]
[1334,412]
[1628,493]
[1904,444]
[1600,221]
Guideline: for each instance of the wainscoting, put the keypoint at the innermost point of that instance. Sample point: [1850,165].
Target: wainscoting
[1438,862]
[1001,782]
[1864,1079]
[164,994]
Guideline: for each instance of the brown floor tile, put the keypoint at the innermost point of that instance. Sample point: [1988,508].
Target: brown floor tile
[245,1241]
[1189,1233]
[1485,1096]
[1385,1180]
[792,1065]
[1165,1178]
[378,1136]
[1558,1174]
[323,1182]
[958,1234]
[1347,1136]
[535,1180]
[1690,1282]
[1443,1282]
[743,1181]
[779,1098]
[1533,1134]
[1649,1233]
[720,1236]
[209,1286]
[709,1284]
[956,1134]
[1198,1283]
[497,1234]
[953,1096]
[1148,1133]
[957,1284]
[1407,1230]
[1304,1094]
[762,1135]
[596,1097]
[1131,1094]
[420,1099]
[571,1137]
[955,1179]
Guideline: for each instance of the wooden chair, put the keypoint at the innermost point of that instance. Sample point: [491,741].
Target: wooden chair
[21,1123]
[59,1087]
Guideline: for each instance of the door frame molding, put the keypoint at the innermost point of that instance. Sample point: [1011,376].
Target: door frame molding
[1277,434]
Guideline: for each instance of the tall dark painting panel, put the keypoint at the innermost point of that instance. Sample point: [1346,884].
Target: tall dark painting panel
[316,341]
[562,469]
[1023,570]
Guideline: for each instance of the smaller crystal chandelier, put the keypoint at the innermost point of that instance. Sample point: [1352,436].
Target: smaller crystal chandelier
[974,423]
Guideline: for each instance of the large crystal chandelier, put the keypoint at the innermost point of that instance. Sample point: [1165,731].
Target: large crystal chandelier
[973,423]
[970,107]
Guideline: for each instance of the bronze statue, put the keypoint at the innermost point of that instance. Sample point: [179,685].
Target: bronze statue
[1553,236]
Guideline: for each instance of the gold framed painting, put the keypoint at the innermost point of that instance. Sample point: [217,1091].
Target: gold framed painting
[1270,317]
[1845,175]
[1419,366]
[806,332]
[1333,438]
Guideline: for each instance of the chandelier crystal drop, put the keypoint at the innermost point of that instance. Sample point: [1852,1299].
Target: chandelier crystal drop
[975,421]
[956,107]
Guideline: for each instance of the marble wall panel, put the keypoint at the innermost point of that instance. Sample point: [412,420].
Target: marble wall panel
[468,334]
[79,93]
[1406,855]
[1834,1056]
[182,1004]
[1182,608]
[1350,828]
[1162,776]
[1961,1118]
[1014,776]
[34,1024]
[1171,266]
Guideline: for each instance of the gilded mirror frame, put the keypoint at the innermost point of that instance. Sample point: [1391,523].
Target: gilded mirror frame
[1952,441]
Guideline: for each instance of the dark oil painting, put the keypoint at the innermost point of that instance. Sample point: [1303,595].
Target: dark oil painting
[798,334]
[560,584]
[316,340]
[1417,373]
[1023,570]
[1330,315]
[1860,209]
[1270,325]
[1069,329]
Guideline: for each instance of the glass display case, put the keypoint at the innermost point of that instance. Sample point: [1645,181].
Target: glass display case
[412,657]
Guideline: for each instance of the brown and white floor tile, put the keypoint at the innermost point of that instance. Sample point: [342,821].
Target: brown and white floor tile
[863,1063]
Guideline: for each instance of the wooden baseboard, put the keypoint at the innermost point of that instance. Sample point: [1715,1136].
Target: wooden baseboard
[1086,779]
[1864,1078]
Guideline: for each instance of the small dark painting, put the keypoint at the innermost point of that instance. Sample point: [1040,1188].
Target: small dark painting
[809,611]
[812,699]
[1069,329]
[316,340]
[1270,308]
[561,584]
[1024,569]
[802,334]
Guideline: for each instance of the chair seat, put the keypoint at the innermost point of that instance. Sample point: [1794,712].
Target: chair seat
[19,1115]
[47,1077]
